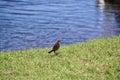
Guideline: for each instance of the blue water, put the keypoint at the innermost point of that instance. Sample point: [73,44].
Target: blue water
[28,24]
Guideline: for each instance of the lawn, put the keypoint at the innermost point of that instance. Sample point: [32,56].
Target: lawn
[98,59]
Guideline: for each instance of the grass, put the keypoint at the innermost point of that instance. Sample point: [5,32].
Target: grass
[98,59]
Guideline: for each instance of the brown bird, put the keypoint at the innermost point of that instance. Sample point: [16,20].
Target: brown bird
[56,46]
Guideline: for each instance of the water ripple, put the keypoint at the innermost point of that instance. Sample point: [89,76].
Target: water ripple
[28,24]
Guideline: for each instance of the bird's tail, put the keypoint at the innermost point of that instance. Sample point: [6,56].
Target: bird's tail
[50,51]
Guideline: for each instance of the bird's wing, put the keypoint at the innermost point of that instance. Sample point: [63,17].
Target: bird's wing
[55,47]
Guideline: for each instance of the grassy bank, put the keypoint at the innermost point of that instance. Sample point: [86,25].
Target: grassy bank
[94,60]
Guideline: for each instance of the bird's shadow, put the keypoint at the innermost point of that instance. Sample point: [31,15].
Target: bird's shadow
[55,54]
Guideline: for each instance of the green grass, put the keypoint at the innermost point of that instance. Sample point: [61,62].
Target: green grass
[98,59]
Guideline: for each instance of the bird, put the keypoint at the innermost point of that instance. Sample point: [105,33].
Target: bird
[56,46]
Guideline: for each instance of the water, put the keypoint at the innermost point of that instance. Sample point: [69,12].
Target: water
[28,24]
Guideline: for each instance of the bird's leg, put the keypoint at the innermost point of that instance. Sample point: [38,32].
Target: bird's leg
[55,52]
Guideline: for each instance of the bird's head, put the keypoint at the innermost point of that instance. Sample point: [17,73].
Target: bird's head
[58,41]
